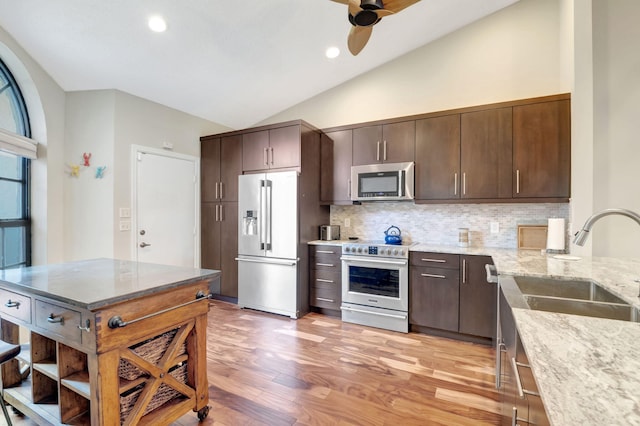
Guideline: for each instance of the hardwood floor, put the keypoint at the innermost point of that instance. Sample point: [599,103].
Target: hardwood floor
[266,369]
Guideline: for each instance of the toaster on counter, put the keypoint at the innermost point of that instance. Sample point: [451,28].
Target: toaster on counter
[329,232]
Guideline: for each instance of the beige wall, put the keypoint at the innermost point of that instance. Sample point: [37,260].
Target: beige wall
[107,123]
[518,52]
[46,103]
[616,143]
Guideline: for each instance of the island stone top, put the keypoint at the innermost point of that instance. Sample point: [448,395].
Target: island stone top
[95,283]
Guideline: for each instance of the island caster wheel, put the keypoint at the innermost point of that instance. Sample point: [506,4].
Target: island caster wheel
[203,413]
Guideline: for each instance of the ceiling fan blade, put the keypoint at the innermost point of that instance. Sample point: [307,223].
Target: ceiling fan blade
[383,12]
[396,6]
[358,38]
[354,7]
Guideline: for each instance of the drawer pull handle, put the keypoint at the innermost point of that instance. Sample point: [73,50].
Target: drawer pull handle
[325,251]
[52,319]
[433,276]
[11,304]
[434,260]
[86,328]
[330,265]
[322,280]
[322,299]
[116,321]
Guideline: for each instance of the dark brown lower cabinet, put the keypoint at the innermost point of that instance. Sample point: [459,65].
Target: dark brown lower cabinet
[433,296]
[477,298]
[325,278]
[450,292]
[219,243]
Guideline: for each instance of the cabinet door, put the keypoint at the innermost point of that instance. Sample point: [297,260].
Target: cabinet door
[230,167]
[486,153]
[542,149]
[229,249]
[398,142]
[367,143]
[478,298]
[335,172]
[209,169]
[255,151]
[437,171]
[210,236]
[284,148]
[433,296]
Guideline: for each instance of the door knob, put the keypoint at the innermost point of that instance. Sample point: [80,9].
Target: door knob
[142,232]
[143,244]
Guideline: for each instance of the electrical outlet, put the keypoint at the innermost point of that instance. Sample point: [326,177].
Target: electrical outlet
[347,223]
[125,225]
[125,212]
[495,227]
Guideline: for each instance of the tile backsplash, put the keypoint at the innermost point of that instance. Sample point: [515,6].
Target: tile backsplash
[439,223]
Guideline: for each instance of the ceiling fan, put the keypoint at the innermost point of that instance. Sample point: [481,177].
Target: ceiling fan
[364,14]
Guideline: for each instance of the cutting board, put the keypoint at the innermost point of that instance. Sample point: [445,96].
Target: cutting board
[532,237]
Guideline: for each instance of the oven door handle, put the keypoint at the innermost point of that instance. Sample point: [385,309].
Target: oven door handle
[345,308]
[376,260]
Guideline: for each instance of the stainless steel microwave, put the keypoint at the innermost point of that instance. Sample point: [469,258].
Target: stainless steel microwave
[383,182]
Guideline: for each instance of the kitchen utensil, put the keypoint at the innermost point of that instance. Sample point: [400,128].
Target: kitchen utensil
[392,235]
[329,232]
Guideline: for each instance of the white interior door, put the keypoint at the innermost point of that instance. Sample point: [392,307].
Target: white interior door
[166,188]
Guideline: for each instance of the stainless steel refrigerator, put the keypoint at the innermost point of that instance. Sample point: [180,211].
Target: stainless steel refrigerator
[268,242]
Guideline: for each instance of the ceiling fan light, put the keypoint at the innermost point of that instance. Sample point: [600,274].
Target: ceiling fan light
[364,18]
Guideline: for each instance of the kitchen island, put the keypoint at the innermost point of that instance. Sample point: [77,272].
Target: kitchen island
[110,342]
[587,369]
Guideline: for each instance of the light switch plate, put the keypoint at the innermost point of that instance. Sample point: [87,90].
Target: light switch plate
[125,225]
[125,212]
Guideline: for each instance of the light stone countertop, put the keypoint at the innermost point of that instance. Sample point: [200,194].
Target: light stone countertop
[587,369]
[95,283]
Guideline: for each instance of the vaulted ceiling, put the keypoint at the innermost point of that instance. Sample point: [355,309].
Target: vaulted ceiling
[235,63]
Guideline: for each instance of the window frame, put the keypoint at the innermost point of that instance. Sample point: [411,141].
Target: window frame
[25,220]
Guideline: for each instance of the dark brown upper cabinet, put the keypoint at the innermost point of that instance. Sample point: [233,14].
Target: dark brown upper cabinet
[271,149]
[437,171]
[220,165]
[542,150]
[387,143]
[486,154]
[335,172]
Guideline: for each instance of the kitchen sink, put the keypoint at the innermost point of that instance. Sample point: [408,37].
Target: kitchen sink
[576,297]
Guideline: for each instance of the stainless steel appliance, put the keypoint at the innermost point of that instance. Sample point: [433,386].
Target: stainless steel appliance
[383,182]
[329,232]
[375,285]
[268,261]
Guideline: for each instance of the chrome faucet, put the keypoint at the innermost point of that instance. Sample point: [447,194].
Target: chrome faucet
[582,235]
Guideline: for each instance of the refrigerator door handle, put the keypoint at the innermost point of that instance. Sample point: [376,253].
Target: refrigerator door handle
[268,211]
[262,214]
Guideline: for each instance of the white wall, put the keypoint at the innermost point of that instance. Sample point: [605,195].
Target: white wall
[518,52]
[46,104]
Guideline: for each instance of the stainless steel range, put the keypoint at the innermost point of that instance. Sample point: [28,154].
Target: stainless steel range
[375,285]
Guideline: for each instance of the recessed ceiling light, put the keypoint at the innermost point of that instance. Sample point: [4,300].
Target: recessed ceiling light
[157,24]
[332,52]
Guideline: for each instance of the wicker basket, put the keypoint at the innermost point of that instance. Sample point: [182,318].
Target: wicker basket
[164,394]
[151,350]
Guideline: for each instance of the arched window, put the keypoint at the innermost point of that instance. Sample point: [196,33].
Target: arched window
[15,226]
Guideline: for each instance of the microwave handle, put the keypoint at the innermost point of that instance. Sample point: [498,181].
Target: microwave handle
[402,183]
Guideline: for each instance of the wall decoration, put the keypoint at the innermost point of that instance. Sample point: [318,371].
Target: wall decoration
[100,172]
[74,170]
[86,157]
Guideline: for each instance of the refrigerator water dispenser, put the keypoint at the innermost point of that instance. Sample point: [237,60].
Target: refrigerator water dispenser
[250,223]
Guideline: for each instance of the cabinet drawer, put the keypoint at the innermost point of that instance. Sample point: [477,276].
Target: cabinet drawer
[437,260]
[15,305]
[325,298]
[325,262]
[326,279]
[59,320]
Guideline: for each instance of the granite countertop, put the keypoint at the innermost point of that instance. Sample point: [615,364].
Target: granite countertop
[587,369]
[95,283]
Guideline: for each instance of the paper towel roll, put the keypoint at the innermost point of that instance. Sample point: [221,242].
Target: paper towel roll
[555,234]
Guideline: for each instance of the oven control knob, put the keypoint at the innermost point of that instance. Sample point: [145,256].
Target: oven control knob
[395,252]
[359,249]
[401,252]
[346,249]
